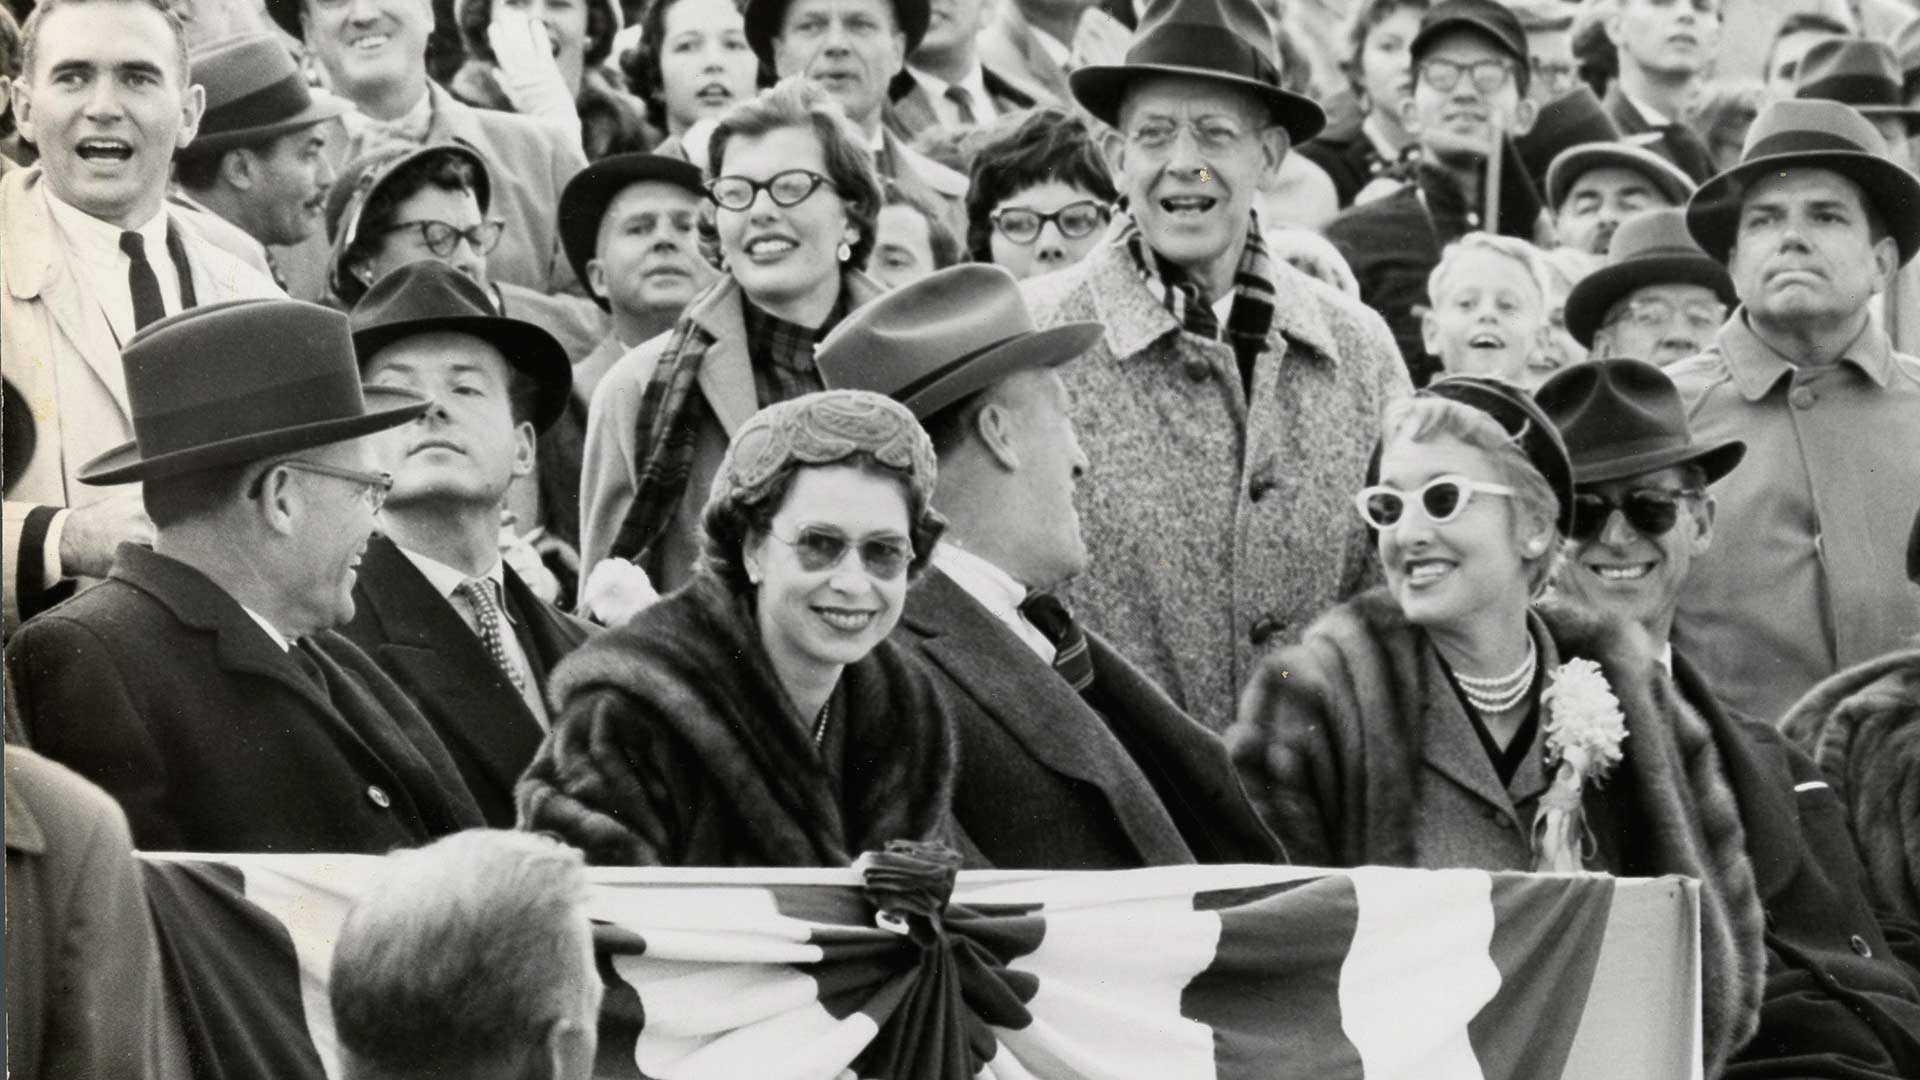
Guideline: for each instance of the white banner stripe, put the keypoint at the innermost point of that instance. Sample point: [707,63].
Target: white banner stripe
[715,999]
[1419,969]
[804,1044]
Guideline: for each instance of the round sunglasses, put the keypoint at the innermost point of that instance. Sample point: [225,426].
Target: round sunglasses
[1441,499]
[820,548]
[1651,511]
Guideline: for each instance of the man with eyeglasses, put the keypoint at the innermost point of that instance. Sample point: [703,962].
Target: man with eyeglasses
[1070,757]
[1838,1001]
[1549,27]
[204,684]
[1659,298]
[1666,48]
[1230,404]
[1471,75]
[435,604]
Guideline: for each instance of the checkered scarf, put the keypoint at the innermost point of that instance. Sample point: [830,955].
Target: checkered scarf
[1252,313]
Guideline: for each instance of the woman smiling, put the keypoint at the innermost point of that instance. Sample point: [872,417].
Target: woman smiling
[759,717]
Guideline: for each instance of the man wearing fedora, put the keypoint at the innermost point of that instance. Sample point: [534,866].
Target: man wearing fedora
[1232,401]
[259,165]
[1071,757]
[1470,79]
[1837,999]
[1665,49]
[91,254]
[1659,298]
[434,603]
[854,49]
[1592,187]
[204,684]
[629,225]
[1810,224]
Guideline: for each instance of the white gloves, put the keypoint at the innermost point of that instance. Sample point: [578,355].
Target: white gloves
[528,73]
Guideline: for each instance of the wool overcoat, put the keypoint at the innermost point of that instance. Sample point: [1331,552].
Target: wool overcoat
[1217,527]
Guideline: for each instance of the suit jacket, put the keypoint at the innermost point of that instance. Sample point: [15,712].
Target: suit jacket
[1677,141]
[909,110]
[1047,782]
[58,350]
[158,686]
[416,637]
[1008,46]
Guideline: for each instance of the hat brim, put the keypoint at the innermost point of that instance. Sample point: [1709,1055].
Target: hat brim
[124,465]
[1041,349]
[586,197]
[1713,214]
[323,108]
[529,349]
[1101,88]
[1575,161]
[1715,461]
[1594,295]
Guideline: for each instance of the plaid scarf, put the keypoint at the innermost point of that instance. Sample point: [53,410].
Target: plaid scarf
[672,411]
[1190,306]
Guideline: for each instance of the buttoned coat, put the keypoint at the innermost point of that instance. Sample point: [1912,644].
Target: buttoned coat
[158,686]
[1048,782]
[59,351]
[1217,528]
[418,639]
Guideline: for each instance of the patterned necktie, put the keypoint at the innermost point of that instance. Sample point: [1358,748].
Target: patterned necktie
[141,281]
[479,594]
[1070,657]
[963,101]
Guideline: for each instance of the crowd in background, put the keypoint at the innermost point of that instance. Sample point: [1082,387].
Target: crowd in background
[1087,434]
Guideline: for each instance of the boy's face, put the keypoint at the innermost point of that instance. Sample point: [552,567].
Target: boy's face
[1488,319]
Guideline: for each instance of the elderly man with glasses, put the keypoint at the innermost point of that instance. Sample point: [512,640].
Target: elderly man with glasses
[203,684]
[1659,298]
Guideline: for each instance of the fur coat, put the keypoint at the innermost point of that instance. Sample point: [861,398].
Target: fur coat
[1328,743]
[1862,726]
[674,744]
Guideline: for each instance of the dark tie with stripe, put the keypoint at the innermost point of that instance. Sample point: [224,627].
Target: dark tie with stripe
[963,101]
[142,282]
[1070,656]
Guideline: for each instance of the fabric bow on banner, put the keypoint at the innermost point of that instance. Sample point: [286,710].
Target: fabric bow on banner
[1175,972]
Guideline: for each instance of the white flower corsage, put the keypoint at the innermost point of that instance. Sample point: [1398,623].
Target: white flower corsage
[1585,728]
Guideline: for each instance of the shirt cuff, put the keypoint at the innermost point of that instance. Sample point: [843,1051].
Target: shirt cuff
[50,567]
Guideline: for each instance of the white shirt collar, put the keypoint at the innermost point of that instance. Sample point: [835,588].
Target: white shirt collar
[974,83]
[1666,657]
[1647,112]
[447,580]
[84,229]
[995,589]
[280,639]
[101,268]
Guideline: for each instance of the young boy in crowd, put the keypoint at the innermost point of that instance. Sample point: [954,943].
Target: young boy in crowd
[1487,309]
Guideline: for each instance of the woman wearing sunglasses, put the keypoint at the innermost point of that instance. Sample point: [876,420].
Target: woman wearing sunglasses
[758,716]
[1423,724]
[794,199]
[1040,195]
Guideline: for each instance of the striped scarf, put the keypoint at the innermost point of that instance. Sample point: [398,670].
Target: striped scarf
[1190,306]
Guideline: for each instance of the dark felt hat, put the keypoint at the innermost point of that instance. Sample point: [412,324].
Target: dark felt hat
[1907,48]
[1521,419]
[254,91]
[427,296]
[1227,41]
[1576,161]
[1856,72]
[1650,248]
[240,381]
[1494,21]
[763,19]
[1571,119]
[948,335]
[1624,418]
[586,197]
[1809,134]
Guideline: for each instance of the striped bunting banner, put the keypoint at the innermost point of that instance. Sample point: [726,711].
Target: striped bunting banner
[1172,973]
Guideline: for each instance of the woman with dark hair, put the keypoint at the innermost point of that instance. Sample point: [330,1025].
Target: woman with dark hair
[580,34]
[795,200]
[759,716]
[1448,720]
[911,239]
[693,62]
[1039,196]
[1379,69]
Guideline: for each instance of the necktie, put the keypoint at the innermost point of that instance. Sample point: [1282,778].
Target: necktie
[141,281]
[479,593]
[1070,656]
[963,101]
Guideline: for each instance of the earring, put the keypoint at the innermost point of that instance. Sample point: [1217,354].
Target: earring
[845,252]
[1536,545]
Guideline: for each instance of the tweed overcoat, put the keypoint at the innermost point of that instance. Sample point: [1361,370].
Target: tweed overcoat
[1218,528]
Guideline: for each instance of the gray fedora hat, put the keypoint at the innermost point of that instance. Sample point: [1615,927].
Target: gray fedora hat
[1649,248]
[254,92]
[948,335]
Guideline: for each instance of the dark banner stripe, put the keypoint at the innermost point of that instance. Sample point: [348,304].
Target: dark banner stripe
[1546,943]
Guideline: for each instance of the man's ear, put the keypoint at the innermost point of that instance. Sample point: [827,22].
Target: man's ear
[193,105]
[1886,259]
[1430,333]
[1274,144]
[994,424]
[22,95]
[570,1047]
[1611,24]
[236,168]
[1703,534]
[525,439]
[596,279]
[277,502]
[1113,146]
[1524,116]
[1410,116]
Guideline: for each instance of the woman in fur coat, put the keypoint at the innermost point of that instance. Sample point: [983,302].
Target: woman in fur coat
[1422,724]
[758,716]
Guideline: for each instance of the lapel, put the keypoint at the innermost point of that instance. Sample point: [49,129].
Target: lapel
[1768,808]
[1007,97]
[553,632]
[438,658]
[1625,116]
[726,372]
[909,111]
[1451,747]
[37,270]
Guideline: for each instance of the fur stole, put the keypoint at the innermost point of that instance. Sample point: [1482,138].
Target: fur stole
[675,744]
[1862,727]
[1329,739]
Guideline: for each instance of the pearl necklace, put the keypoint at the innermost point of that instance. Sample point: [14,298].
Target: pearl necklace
[1502,692]
[820,722]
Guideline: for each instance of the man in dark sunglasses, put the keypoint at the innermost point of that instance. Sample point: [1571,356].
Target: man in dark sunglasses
[1642,515]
